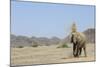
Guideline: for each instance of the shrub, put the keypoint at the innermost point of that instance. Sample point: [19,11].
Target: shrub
[20,46]
[63,46]
[35,45]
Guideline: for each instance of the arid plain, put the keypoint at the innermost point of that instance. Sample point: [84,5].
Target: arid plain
[48,55]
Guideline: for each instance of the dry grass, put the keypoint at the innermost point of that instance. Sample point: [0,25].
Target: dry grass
[47,54]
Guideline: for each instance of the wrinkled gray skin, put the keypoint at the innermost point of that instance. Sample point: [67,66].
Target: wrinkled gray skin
[79,43]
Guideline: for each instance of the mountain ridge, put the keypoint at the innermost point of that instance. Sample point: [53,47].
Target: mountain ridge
[29,41]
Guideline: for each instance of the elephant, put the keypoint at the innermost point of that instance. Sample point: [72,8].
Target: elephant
[79,41]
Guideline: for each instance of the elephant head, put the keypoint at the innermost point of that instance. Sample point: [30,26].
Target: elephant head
[73,38]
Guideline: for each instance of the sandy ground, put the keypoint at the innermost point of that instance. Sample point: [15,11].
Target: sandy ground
[48,55]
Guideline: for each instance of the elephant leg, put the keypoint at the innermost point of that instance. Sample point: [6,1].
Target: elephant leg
[74,50]
[80,51]
[85,51]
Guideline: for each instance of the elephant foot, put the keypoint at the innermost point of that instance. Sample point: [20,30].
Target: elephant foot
[75,55]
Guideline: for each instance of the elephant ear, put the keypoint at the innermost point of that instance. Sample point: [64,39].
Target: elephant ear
[81,37]
[71,38]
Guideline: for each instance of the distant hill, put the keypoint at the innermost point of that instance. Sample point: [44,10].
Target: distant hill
[90,34]
[26,41]
[29,41]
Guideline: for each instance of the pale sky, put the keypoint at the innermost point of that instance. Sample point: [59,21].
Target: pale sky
[48,20]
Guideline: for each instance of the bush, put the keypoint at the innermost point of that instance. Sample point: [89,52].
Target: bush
[63,46]
[20,46]
[34,45]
